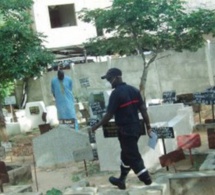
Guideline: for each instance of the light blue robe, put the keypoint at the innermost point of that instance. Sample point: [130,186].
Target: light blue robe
[62,91]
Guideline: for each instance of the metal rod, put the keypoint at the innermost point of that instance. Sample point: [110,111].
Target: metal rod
[164,149]
[191,157]
[85,167]
[35,173]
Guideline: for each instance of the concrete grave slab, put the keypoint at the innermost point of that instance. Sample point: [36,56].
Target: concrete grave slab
[59,145]
[192,183]
[163,112]
[173,115]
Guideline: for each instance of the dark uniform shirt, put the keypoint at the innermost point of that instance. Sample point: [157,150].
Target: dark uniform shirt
[124,103]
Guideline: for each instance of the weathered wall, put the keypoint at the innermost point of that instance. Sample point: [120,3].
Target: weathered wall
[185,72]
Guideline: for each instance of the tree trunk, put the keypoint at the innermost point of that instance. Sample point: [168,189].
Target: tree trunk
[143,82]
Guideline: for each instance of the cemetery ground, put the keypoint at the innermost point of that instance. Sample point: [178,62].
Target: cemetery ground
[63,176]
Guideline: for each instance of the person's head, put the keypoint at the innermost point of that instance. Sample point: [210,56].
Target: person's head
[114,76]
[60,74]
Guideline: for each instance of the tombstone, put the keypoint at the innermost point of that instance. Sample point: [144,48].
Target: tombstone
[59,145]
[51,116]
[25,123]
[12,129]
[34,112]
[188,142]
[171,158]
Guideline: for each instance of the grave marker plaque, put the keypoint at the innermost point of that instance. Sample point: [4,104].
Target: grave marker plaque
[206,97]
[169,96]
[10,100]
[110,129]
[84,82]
[96,108]
[92,121]
[164,132]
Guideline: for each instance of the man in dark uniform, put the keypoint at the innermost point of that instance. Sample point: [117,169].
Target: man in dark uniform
[124,104]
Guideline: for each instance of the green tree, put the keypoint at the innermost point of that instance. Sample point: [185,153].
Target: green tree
[136,26]
[22,54]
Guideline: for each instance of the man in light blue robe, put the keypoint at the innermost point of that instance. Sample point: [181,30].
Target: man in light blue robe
[61,87]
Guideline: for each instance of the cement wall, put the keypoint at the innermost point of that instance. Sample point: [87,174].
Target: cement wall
[185,72]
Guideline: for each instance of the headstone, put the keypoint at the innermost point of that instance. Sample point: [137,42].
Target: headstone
[34,112]
[189,141]
[13,128]
[171,157]
[58,146]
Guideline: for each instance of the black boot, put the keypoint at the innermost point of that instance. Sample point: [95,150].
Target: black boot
[145,177]
[120,182]
[117,182]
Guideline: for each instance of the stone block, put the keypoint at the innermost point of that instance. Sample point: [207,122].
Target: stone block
[17,189]
[12,129]
[58,145]
[81,191]
[83,154]
[192,183]
[19,173]
[164,112]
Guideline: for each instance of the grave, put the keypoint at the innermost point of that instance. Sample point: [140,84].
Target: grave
[61,145]
[177,116]
[34,112]
[192,183]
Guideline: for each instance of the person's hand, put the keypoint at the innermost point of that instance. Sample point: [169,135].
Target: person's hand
[93,129]
[149,132]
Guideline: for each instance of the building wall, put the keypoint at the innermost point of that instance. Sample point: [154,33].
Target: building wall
[68,35]
[186,72]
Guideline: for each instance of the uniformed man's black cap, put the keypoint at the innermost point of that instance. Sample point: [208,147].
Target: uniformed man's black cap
[112,72]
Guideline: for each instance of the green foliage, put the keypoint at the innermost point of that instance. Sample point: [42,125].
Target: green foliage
[22,54]
[136,26]
[5,90]
[153,25]
[54,191]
